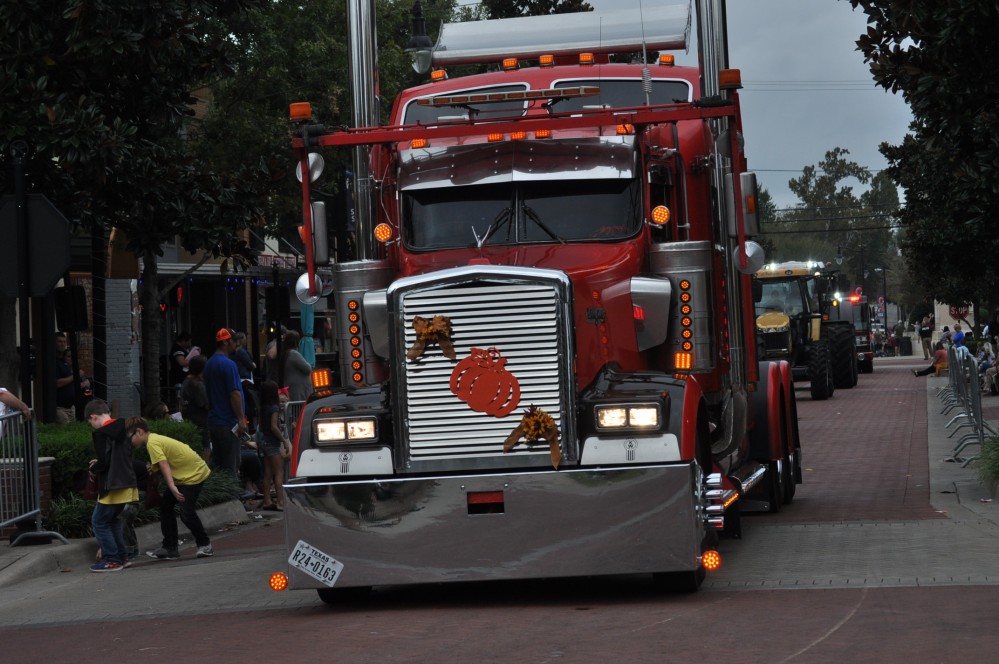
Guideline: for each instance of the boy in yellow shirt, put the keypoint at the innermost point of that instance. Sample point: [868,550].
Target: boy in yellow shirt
[184,472]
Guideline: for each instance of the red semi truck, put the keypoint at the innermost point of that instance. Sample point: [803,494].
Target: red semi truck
[547,360]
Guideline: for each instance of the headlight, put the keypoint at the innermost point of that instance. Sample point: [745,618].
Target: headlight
[332,431]
[639,416]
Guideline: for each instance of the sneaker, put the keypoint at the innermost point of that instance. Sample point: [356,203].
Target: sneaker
[164,554]
[127,563]
[106,566]
[206,551]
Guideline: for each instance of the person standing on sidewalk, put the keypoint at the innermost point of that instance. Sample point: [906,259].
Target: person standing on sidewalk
[925,337]
[226,417]
[116,486]
[184,472]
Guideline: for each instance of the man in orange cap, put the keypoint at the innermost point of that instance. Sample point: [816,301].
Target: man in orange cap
[226,417]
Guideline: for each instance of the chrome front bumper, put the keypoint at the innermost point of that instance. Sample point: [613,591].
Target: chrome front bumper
[500,526]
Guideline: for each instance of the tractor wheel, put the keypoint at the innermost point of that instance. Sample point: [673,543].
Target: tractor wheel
[843,354]
[820,371]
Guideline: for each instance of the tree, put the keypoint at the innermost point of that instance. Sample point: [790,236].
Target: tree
[103,94]
[935,55]
[514,8]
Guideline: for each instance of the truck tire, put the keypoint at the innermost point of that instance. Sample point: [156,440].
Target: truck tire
[820,371]
[843,354]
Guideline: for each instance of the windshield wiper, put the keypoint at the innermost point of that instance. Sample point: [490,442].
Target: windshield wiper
[494,226]
[533,216]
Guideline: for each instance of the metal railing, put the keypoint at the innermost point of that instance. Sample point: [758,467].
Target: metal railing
[20,490]
[964,393]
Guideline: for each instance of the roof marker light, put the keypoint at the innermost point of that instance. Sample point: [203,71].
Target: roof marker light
[518,135]
[667,59]
[301,110]
[586,59]
[510,64]
[438,75]
[625,129]
[418,143]
[543,133]
[494,137]
[546,60]
[730,79]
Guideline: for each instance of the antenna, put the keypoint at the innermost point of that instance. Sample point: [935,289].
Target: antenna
[646,74]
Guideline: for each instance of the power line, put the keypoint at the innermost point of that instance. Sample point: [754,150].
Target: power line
[890,227]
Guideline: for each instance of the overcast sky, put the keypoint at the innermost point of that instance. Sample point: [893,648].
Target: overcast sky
[806,87]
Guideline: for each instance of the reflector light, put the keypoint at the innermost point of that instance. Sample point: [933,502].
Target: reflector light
[278,581]
[353,317]
[518,135]
[638,312]
[301,110]
[660,215]
[625,129]
[353,305]
[358,378]
[586,58]
[354,329]
[543,133]
[711,560]
[667,60]
[684,284]
[492,138]
[547,60]
[510,64]
[683,361]
[383,232]
[730,79]
[438,75]
[685,297]
[320,378]
[418,143]
[355,353]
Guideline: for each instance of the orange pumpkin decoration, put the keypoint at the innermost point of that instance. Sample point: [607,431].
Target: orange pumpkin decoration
[482,381]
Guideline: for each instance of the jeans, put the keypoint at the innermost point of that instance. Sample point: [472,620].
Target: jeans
[108,531]
[168,518]
[225,449]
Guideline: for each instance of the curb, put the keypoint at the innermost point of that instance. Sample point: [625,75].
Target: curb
[21,563]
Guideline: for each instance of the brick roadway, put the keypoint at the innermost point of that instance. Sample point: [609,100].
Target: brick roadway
[864,450]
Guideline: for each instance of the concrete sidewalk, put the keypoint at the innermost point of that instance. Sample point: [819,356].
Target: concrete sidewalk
[19,563]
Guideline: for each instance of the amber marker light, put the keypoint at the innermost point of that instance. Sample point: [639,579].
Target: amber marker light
[586,59]
[418,143]
[510,64]
[547,60]
[300,110]
[320,378]
[383,232]
[667,60]
[278,581]
[493,138]
[543,133]
[730,79]
[438,75]
[711,560]
[625,129]
[660,215]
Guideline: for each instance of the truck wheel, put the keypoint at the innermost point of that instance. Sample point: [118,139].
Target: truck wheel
[843,355]
[343,596]
[787,479]
[775,484]
[820,371]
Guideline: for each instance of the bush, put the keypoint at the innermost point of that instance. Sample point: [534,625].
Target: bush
[70,516]
[71,445]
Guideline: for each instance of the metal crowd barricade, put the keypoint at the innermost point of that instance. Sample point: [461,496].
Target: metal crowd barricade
[964,392]
[20,490]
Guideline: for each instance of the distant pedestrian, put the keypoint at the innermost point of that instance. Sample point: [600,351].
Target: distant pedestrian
[946,338]
[116,485]
[939,361]
[275,446]
[925,337]
[180,358]
[226,417]
[899,331]
[296,372]
[194,401]
[184,473]
[66,381]
[958,335]
[246,366]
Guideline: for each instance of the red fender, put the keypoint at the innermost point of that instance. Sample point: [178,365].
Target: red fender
[692,394]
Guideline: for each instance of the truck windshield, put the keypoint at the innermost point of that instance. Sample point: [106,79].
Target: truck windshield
[521,213]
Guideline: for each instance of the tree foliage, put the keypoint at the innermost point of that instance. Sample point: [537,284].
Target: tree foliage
[101,93]
[514,8]
[940,56]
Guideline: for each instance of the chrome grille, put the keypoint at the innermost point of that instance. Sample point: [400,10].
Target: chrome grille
[518,319]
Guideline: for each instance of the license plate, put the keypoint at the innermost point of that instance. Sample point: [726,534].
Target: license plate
[321,566]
